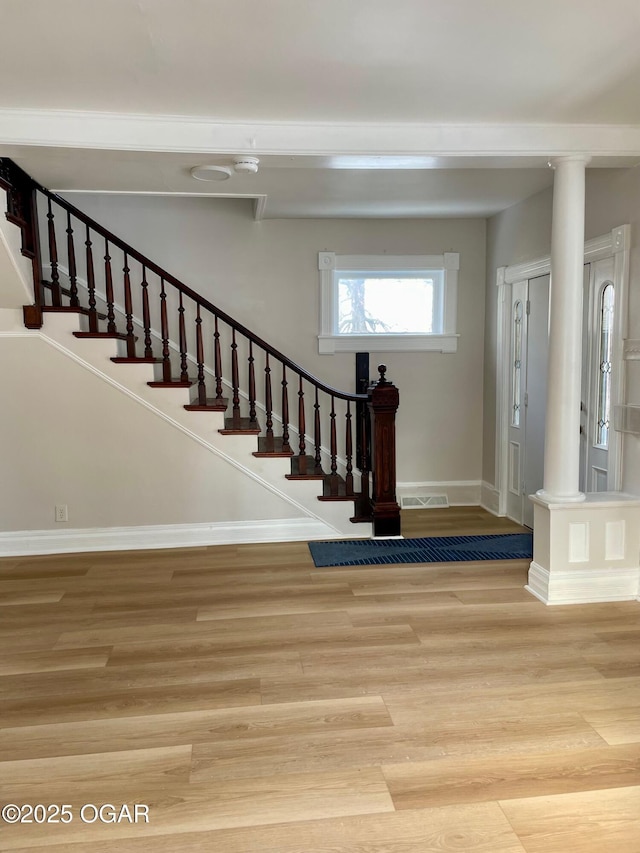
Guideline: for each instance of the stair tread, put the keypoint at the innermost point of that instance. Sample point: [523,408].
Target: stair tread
[70,309]
[272,446]
[173,383]
[114,335]
[240,426]
[64,309]
[212,405]
[139,359]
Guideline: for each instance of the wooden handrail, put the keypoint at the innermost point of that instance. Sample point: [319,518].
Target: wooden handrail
[183,288]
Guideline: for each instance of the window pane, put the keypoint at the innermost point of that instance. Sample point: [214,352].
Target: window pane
[603,412]
[516,368]
[389,304]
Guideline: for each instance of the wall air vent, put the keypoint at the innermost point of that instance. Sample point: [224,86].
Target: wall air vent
[423,501]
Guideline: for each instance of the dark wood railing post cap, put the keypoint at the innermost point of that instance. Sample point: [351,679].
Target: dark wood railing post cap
[383,394]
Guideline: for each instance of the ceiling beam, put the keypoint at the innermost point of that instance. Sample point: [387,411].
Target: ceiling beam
[198,134]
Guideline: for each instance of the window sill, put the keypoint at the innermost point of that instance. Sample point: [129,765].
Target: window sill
[330,344]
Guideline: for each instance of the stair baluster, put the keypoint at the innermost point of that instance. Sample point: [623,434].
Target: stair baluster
[146,315]
[285,411]
[235,379]
[164,331]
[349,452]
[111,317]
[217,361]
[91,286]
[252,385]
[317,437]
[182,337]
[128,309]
[269,443]
[302,446]
[334,482]
[71,256]
[202,390]
[56,296]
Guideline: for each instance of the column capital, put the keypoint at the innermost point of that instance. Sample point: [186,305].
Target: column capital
[585,159]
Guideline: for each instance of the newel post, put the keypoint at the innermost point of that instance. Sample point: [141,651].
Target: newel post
[22,211]
[384,399]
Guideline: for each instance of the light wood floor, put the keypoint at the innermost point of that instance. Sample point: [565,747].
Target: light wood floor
[259,705]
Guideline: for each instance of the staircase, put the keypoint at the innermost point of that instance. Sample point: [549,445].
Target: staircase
[343,442]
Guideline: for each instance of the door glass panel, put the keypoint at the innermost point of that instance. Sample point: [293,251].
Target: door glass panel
[516,369]
[605,354]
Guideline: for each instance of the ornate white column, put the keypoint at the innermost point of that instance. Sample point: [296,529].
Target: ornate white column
[562,434]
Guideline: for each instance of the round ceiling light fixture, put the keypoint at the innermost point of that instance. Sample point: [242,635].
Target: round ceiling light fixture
[246,164]
[211,173]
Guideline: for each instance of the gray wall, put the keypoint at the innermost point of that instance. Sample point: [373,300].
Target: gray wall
[67,446]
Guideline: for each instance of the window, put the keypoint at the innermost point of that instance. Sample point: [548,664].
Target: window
[388,302]
[395,303]
[605,323]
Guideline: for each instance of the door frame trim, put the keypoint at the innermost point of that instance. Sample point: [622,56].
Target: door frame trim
[616,243]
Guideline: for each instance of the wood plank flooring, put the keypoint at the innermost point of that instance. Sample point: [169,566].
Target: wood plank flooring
[256,703]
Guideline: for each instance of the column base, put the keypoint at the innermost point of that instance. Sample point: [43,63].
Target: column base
[547,497]
[586,551]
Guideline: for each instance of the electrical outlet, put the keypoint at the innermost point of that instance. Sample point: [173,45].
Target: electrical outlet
[62,513]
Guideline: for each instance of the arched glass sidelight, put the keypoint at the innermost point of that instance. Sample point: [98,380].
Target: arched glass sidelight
[516,370]
[605,356]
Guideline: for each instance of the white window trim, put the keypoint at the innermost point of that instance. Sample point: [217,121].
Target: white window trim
[329,342]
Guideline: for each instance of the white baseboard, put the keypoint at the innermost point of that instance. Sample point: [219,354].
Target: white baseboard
[589,586]
[27,542]
[458,492]
[490,498]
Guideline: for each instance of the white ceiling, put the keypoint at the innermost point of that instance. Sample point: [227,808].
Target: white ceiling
[355,107]
[327,60]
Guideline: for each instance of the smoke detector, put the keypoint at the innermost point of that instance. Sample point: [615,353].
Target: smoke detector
[246,164]
[239,164]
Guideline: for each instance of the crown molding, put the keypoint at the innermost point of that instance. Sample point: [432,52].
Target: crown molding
[128,131]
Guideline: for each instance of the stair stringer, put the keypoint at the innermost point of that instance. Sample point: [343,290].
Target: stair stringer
[168,403]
